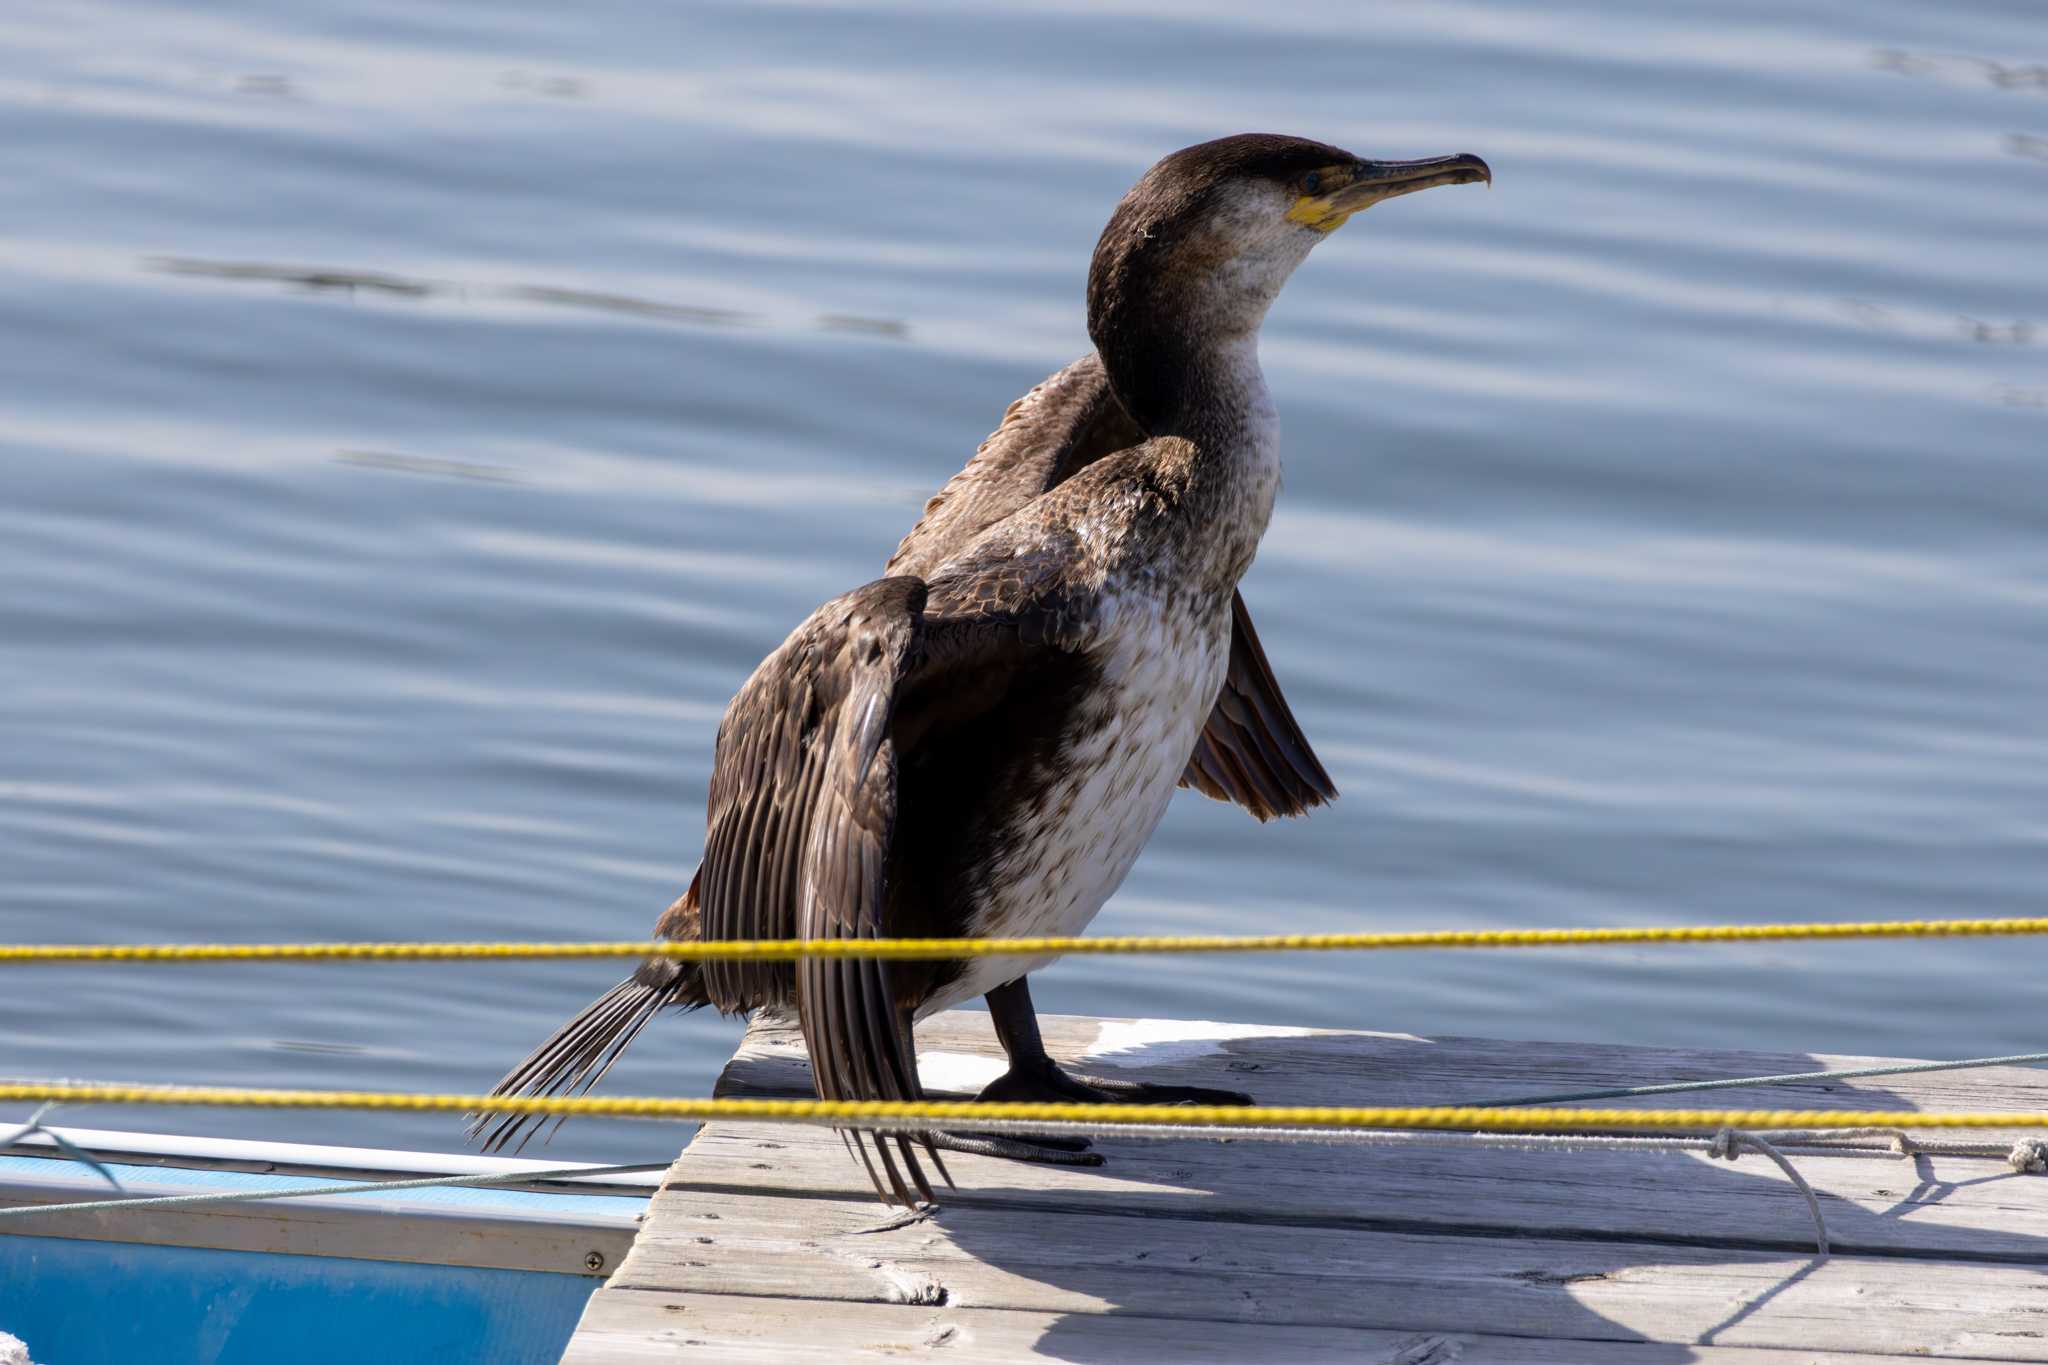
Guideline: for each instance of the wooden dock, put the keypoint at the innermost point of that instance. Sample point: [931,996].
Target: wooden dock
[766,1245]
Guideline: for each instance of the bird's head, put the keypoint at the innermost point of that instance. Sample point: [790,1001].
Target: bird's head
[1201,245]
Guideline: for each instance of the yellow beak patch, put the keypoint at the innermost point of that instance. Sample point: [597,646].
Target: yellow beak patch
[1319,212]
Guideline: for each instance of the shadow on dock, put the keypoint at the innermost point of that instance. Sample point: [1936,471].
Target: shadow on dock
[1671,1253]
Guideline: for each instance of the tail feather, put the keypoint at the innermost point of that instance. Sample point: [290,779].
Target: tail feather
[579,1053]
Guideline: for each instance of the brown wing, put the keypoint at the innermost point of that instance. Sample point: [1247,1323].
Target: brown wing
[803,812]
[765,778]
[1252,751]
[1066,423]
[857,1032]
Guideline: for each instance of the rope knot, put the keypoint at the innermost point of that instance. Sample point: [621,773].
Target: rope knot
[1728,1144]
[2029,1156]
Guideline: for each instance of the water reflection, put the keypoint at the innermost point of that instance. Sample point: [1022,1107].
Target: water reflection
[307,277]
[379,282]
[1998,333]
[419,464]
[2024,76]
[553,87]
[622,303]
[273,87]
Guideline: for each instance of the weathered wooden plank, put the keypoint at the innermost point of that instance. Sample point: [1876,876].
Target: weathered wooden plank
[1313,1276]
[1927,1205]
[768,1241]
[622,1327]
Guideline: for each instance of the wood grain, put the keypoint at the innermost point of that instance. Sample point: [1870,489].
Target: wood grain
[633,1328]
[766,1239]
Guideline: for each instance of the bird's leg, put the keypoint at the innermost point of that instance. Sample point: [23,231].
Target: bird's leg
[1045,1151]
[1035,1077]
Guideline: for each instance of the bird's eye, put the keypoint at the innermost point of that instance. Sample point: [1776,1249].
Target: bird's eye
[1311,182]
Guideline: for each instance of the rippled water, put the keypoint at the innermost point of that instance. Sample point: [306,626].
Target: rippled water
[415,422]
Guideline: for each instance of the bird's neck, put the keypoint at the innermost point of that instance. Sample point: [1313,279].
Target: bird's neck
[1176,320]
[1175,313]
[1212,396]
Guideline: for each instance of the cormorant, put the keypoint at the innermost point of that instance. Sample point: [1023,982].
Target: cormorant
[980,743]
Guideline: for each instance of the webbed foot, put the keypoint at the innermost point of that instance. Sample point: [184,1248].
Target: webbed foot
[1042,1151]
[1050,1085]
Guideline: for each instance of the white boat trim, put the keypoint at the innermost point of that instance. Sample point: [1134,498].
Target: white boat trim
[299,1158]
[559,1226]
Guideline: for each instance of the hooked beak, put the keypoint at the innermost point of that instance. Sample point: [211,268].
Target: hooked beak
[1372,181]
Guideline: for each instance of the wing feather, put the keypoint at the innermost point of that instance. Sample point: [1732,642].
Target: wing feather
[804,799]
[1252,751]
[802,810]
[764,785]
[1066,423]
[857,1028]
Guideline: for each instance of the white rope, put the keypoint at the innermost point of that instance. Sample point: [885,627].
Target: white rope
[1728,1144]
[1864,1142]
[2028,1156]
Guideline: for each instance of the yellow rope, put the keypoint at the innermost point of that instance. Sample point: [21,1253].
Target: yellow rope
[939,948]
[1446,1117]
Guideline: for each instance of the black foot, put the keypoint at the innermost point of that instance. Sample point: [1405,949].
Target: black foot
[1050,1085]
[1049,1151]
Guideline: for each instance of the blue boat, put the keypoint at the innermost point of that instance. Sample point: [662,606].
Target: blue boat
[447,1275]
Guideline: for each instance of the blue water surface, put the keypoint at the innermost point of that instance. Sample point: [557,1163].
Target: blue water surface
[415,421]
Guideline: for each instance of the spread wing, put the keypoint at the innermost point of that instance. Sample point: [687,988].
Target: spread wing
[803,815]
[1252,751]
[1069,421]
